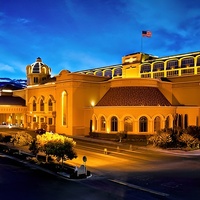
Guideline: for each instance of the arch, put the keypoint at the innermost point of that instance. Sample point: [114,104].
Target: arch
[114,124]
[34,108]
[172,63]
[94,127]
[31,99]
[158,66]
[64,108]
[102,123]
[118,71]
[50,105]
[157,123]
[169,121]
[143,124]
[108,73]
[41,104]
[145,68]
[128,124]
[187,62]
[99,73]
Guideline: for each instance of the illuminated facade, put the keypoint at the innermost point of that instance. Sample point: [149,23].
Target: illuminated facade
[142,95]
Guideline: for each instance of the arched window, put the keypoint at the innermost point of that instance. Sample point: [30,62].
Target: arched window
[158,66]
[145,68]
[157,123]
[186,121]
[172,64]
[143,124]
[128,124]
[118,72]
[114,124]
[50,105]
[99,73]
[64,108]
[187,62]
[95,123]
[103,124]
[167,123]
[198,61]
[41,105]
[34,105]
[108,73]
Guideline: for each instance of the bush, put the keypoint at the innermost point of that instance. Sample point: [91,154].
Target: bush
[188,140]
[161,139]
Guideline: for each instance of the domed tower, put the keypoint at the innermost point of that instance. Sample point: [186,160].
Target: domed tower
[37,73]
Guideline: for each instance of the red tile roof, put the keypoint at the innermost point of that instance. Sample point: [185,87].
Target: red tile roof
[133,96]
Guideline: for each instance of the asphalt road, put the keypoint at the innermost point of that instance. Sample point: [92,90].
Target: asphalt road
[158,175]
[20,182]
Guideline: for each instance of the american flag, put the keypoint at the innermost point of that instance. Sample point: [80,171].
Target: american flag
[146,33]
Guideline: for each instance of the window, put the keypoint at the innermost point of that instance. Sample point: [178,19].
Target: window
[118,72]
[41,105]
[50,105]
[198,61]
[167,122]
[35,79]
[143,122]
[99,73]
[145,68]
[50,121]
[158,66]
[172,64]
[42,120]
[103,124]
[34,119]
[187,62]
[34,105]
[64,108]
[157,124]
[108,73]
[128,124]
[114,124]
[186,121]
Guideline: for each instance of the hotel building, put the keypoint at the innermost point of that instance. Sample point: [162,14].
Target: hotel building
[141,95]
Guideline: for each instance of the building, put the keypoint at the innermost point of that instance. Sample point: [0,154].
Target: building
[142,95]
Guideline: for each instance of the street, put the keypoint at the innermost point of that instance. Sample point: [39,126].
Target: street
[123,173]
[157,174]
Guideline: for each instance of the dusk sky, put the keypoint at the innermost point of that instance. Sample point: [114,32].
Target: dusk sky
[83,34]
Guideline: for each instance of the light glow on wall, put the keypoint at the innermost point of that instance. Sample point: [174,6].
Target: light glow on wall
[92,103]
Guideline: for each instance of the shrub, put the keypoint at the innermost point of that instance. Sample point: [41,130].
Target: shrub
[161,139]
[188,139]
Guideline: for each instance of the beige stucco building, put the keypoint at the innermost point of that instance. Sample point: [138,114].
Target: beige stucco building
[142,95]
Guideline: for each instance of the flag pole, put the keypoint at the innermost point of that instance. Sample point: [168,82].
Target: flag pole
[141,43]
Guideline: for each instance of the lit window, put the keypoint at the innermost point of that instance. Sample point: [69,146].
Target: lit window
[143,124]
[114,124]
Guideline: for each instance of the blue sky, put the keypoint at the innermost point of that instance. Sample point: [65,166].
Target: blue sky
[83,34]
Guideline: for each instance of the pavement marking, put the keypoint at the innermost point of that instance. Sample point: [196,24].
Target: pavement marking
[140,188]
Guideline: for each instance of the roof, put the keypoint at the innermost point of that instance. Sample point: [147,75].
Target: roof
[11,100]
[134,96]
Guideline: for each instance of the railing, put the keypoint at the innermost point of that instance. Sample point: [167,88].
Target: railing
[171,72]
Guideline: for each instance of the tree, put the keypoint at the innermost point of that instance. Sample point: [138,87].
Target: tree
[34,147]
[57,145]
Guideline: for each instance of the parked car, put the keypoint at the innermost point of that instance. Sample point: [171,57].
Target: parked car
[40,131]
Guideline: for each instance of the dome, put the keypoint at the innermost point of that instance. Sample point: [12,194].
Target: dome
[36,66]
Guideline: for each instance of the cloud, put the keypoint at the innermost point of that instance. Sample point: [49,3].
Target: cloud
[6,68]
[23,21]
